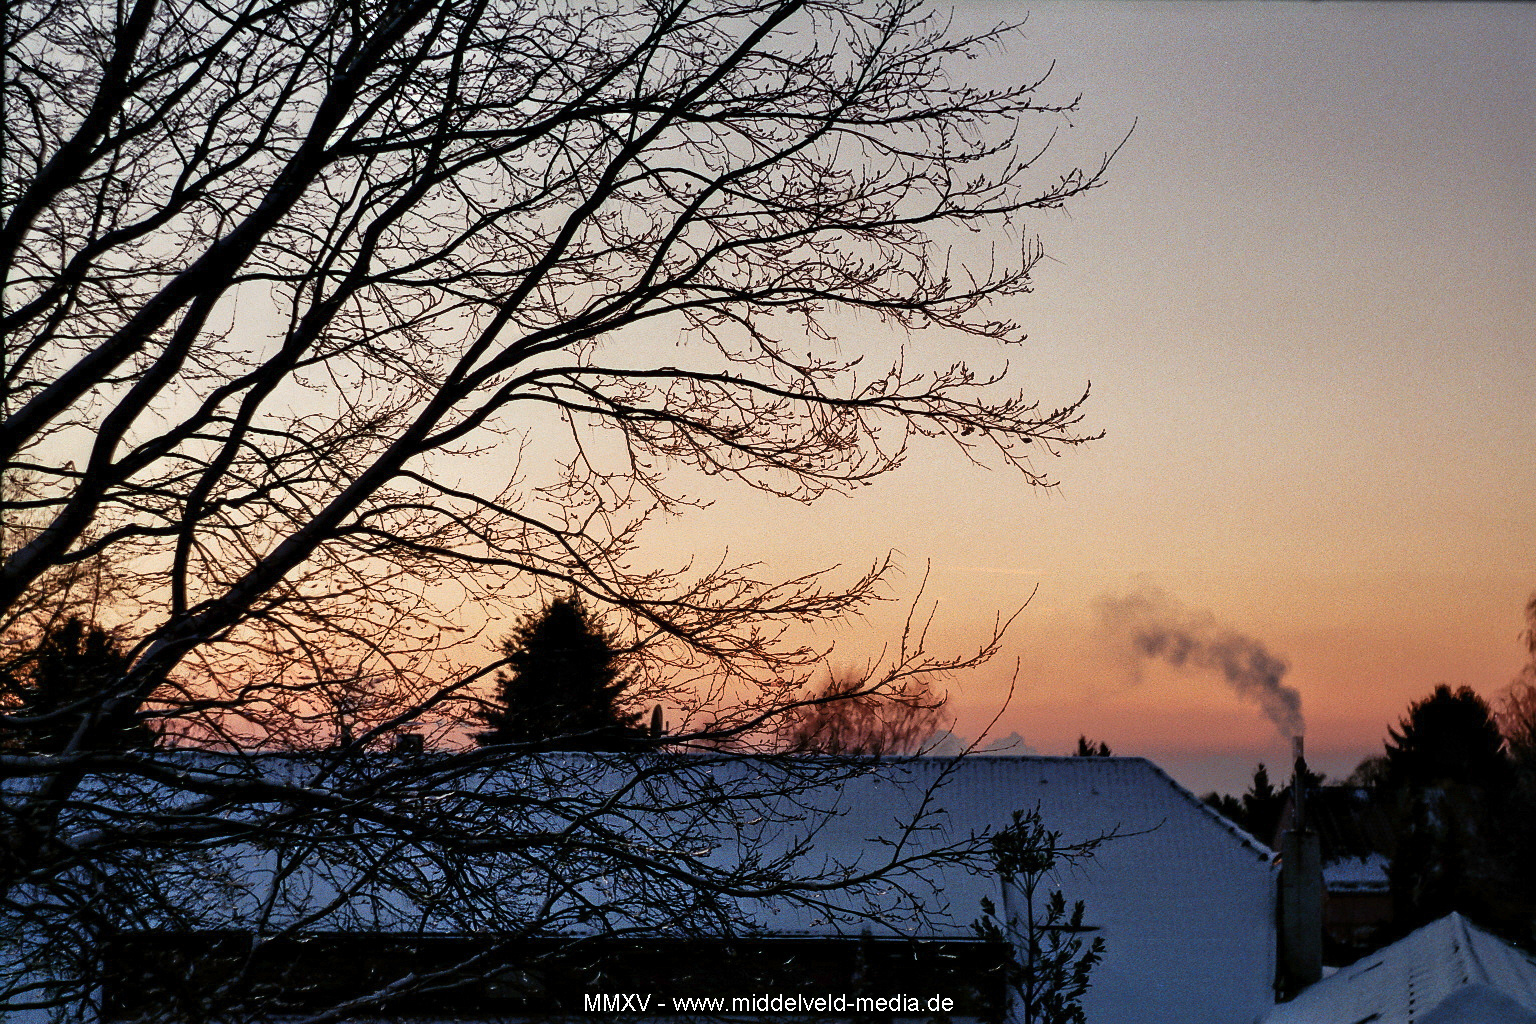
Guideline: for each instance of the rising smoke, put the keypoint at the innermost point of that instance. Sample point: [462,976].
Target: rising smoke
[1156,627]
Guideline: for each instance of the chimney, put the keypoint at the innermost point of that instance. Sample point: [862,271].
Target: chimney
[1301,893]
[409,744]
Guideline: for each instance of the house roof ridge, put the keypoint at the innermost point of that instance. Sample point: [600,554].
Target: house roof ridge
[1469,937]
[1242,835]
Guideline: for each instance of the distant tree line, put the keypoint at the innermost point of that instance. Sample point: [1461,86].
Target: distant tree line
[1457,782]
[1091,748]
[1259,809]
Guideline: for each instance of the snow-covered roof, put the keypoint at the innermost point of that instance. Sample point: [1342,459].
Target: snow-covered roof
[1183,898]
[1448,972]
[1357,875]
[1082,797]
[1167,838]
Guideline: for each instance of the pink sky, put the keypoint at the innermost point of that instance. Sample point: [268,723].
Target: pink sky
[1307,306]
[1305,301]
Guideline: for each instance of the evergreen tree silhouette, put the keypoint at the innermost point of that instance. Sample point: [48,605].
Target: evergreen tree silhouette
[1449,738]
[49,690]
[1091,748]
[1262,807]
[562,687]
[1449,780]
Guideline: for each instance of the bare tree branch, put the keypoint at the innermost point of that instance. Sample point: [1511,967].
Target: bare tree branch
[323,325]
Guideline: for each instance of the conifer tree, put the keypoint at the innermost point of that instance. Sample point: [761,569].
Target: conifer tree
[49,690]
[563,685]
[1448,738]
[1262,806]
[1449,779]
[1091,748]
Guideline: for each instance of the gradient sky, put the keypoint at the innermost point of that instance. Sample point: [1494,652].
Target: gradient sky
[1305,302]
[1307,306]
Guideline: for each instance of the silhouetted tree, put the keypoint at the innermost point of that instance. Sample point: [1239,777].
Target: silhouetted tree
[1227,805]
[1448,778]
[1053,961]
[1450,737]
[53,695]
[1090,748]
[1517,721]
[856,715]
[563,686]
[1517,709]
[327,320]
[1372,773]
[1259,810]
[1262,806]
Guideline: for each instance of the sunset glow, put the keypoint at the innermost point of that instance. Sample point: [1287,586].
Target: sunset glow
[1305,304]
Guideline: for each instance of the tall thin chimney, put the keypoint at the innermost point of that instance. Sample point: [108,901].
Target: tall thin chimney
[1301,892]
[1298,785]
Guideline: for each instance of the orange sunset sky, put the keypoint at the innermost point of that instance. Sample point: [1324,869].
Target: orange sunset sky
[1305,303]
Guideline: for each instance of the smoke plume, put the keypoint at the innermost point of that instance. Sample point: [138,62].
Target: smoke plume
[1156,627]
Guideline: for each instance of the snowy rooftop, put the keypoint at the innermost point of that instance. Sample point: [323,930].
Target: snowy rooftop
[1169,840]
[1183,898]
[1082,796]
[1448,972]
[1357,874]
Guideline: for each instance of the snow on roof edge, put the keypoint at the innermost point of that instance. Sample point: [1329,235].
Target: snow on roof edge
[1262,849]
[1246,839]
